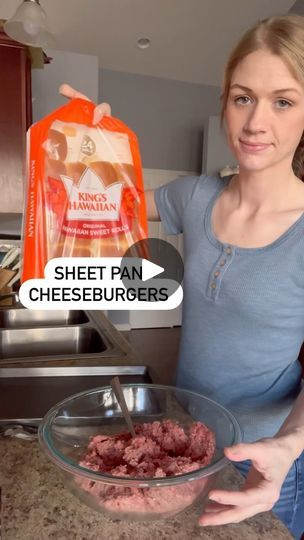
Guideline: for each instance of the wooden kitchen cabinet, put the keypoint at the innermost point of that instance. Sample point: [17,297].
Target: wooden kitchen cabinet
[15,118]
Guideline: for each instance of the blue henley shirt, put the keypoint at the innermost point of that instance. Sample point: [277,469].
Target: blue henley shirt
[243,311]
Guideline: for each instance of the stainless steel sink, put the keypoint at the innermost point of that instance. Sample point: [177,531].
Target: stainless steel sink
[46,356]
[47,335]
[56,341]
[26,318]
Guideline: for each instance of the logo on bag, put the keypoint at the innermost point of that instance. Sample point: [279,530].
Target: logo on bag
[88,147]
[90,199]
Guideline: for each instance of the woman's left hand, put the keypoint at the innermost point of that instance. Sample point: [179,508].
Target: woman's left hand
[271,460]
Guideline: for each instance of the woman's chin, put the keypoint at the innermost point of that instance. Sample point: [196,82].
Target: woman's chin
[254,165]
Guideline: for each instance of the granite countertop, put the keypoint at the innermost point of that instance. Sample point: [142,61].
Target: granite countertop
[36,506]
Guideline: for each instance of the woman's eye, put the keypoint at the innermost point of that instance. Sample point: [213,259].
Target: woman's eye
[242,100]
[283,104]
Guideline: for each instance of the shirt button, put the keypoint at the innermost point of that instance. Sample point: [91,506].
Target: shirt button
[216,274]
[223,262]
[213,285]
[228,250]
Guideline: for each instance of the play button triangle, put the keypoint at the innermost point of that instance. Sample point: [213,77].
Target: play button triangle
[150,270]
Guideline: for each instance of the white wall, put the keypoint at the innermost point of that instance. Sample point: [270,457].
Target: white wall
[79,70]
[166,115]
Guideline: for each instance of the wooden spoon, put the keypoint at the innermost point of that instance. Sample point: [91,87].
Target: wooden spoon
[116,387]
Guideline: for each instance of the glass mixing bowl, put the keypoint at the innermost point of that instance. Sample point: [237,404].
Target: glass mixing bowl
[66,430]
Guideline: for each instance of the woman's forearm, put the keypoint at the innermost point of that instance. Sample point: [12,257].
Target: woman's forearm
[292,430]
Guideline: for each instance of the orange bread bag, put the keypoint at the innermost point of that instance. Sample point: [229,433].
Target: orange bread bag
[84,190]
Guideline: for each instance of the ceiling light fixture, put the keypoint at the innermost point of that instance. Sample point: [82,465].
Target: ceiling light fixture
[143,43]
[29,25]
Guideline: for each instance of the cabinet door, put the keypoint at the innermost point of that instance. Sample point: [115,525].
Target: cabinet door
[15,118]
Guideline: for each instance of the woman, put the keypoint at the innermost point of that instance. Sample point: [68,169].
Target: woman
[243,310]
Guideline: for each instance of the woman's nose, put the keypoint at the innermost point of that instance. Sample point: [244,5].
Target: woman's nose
[256,120]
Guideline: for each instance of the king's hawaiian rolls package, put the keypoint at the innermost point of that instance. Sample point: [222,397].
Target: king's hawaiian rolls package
[84,189]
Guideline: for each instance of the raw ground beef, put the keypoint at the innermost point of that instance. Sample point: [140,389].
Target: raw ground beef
[160,449]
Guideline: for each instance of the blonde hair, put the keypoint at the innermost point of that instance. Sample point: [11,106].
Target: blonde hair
[283,36]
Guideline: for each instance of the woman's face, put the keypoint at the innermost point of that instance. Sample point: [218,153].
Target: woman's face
[264,112]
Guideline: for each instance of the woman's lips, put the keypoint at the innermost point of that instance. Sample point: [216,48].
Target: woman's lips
[253,148]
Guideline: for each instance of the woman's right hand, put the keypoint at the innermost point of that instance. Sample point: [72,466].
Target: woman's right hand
[103,109]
